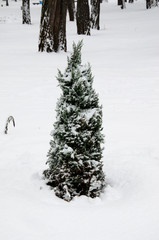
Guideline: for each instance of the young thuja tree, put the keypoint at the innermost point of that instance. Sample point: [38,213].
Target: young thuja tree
[74,158]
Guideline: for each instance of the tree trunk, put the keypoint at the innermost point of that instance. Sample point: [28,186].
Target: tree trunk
[95,13]
[7,3]
[123,4]
[148,4]
[83,19]
[71,9]
[26,11]
[119,2]
[53,26]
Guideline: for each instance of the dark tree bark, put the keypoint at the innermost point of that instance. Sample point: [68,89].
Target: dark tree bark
[53,26]
[148,4]
[131,1]
[7,3]
[121,3]
[26,12]
[71,9]
[95,14]
[83,18]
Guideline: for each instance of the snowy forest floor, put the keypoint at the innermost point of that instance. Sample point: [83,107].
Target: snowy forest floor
[124,56]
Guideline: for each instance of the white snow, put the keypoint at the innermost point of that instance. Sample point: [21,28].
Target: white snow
[124,56]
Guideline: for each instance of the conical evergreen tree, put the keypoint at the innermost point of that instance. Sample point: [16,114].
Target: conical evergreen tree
[74,158]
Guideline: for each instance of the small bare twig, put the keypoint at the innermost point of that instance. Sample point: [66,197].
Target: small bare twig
[8,121]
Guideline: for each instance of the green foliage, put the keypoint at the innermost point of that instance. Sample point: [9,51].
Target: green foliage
[74,158]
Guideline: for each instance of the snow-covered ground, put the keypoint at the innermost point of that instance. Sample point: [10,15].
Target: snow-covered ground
[124,56]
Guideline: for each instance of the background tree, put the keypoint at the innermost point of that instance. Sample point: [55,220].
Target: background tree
[95,14]
[53,26]
[156,3]
[75,153]
[83,17]
[26,18]
[71,9]
[119,2]
[148,4]
[122,4]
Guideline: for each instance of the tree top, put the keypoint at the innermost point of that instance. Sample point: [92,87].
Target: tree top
[75,59]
